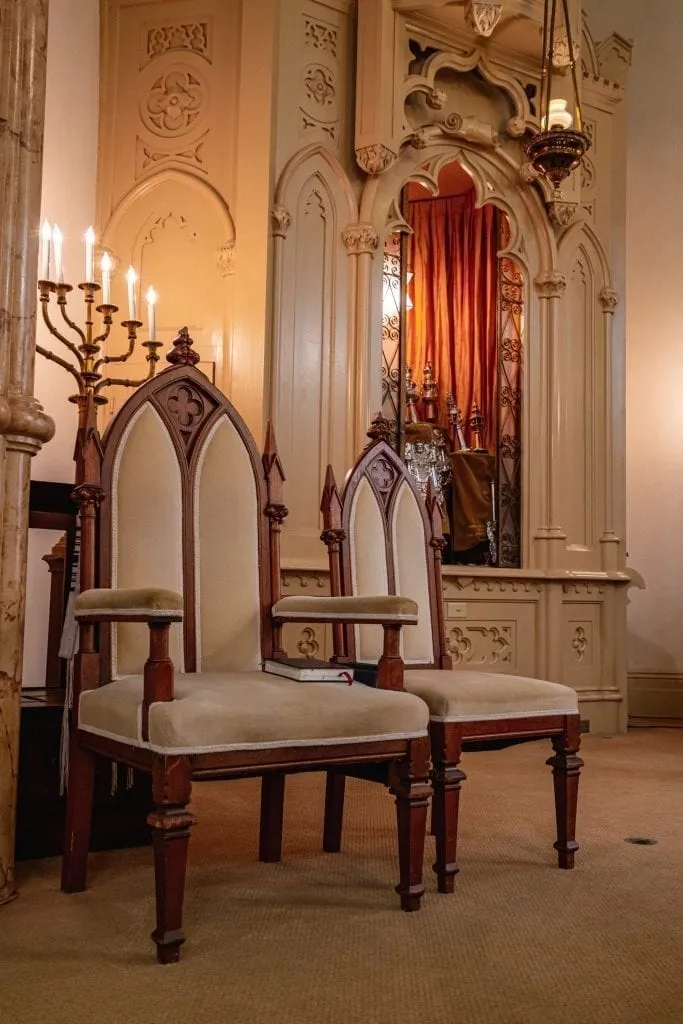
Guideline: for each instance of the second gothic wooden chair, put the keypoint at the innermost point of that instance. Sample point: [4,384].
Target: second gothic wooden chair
[383,538]
[180,521]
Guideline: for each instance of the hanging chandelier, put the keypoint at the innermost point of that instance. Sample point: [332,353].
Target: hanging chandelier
[558,148]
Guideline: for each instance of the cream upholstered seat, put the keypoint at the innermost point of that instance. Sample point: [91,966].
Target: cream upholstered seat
[215,711]
[467,695]
[189,579]
[383,538]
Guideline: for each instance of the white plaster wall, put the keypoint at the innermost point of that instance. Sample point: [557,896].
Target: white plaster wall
[69,177]
[654,325]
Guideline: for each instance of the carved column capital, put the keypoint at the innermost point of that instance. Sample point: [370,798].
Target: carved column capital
[27,425]
[483,17]
[360,238]
[280,220]
[375,159]
[551,285]
[609,299]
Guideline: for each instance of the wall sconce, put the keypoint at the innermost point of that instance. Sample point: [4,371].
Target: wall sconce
[558,148]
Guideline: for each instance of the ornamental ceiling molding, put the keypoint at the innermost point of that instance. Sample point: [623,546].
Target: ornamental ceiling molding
[471,60]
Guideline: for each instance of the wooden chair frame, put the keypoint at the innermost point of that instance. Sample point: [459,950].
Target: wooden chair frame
[385,473]
[403,763]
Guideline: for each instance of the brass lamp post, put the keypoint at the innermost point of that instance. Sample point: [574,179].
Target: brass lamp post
[558,148]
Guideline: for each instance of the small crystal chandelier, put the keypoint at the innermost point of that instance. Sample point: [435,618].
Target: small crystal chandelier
[558,148]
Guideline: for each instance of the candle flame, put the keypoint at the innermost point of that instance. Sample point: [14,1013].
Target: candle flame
[46,231]
[106,263]
[131,276]
[151,296]
[57,236]
[90,236]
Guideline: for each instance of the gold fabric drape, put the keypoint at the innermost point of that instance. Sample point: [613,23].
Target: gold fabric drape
[454,322]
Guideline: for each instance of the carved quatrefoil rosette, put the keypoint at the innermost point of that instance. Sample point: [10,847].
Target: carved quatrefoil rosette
[174,103]
[383,476]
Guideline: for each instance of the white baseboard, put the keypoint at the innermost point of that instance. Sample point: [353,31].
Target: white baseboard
[655,695]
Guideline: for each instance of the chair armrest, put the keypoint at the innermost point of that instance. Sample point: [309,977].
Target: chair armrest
[147,604]
[385,610]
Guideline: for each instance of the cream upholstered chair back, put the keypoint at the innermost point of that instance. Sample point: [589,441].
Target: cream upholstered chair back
[386,550]
[186,508]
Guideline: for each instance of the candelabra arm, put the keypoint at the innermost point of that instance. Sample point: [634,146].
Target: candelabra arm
[61,302]
[65,341]
[62,362]
[114,359]
[101,339]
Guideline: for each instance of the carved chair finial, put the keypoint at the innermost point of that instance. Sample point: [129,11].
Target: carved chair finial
[182,353]
[381,430]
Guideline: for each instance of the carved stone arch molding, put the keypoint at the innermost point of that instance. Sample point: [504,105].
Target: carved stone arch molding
[474,59]
[533,245]
[589,347]
[179,234]
[312,351]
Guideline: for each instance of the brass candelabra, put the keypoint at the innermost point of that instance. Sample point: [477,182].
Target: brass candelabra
[87,349]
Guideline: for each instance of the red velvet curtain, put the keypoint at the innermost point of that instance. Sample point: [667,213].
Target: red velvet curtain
[454,321]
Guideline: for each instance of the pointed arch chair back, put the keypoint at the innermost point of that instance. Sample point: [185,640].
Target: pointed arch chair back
[383,538]
[190,506]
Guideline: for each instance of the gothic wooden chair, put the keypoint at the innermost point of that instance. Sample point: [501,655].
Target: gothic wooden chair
[188,543]
[383,538]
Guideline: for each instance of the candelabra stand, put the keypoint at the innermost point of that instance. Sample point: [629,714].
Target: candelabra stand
[86,365]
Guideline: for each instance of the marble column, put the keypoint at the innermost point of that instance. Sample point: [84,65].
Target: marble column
[23,424]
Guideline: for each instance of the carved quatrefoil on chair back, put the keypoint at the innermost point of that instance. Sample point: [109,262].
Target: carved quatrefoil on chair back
[188,539]
[383,538]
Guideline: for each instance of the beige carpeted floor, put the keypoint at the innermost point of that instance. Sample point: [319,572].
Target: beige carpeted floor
[319,938]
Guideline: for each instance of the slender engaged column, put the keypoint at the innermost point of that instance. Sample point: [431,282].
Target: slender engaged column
[550,537]
[362,242]
[23,424]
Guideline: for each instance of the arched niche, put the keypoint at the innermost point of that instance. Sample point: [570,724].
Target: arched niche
[591,407]
[180,236]
[532,245]
[312,353]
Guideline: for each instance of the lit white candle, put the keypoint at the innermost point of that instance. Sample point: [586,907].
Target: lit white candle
[57,245]
[45,238]
[106,268]
[89,256]
[131,277]
[151,314]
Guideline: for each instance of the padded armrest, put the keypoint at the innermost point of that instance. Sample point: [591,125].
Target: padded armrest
[148,604]
[389,610]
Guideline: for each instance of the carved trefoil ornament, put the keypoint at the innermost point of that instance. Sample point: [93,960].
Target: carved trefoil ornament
[483,17]
[319,36]
[359,238]
[192,36]
[375,159]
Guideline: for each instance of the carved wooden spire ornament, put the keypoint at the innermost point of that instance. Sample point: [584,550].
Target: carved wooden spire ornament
[182,353]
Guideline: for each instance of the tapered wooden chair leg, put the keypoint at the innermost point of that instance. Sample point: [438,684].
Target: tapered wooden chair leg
[566,766]
[79,801]
[170,822]
[447,778]
[272,816]
[412,789]
[334,812]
